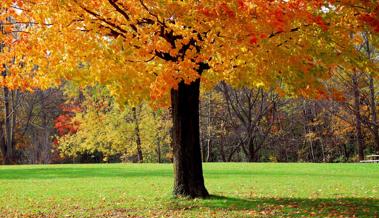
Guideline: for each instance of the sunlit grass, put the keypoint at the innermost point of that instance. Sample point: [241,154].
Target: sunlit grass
[144,190]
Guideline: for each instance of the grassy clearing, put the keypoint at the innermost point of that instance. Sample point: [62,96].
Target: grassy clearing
[144,190]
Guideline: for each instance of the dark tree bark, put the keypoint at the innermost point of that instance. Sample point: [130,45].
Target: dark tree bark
[159,152]
[251,149]
[3,145]
[158,142]
[8,154]
[375,127]
[14,95]
[209,133]
[189,181]
[358,118]
[222,152]
[138,136]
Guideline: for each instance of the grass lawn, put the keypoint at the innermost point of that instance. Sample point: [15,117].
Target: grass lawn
[144,190]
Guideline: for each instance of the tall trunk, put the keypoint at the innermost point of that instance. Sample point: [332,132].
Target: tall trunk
[222,151]
[222,146]
[346,153]
[9,153]
[374,114]
[322,150]
[311,147]
[358,120]
[3,146]
[159,153]
[158,142]
[188,170]
[14,116]
[209,136]
[44,142]
[251,151]
[138,136]
[208,150]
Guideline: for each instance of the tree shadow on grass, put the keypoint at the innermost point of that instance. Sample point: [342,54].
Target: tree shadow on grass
[74,172]
[287,207]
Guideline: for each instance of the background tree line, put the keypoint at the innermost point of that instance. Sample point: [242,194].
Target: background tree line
[237,124]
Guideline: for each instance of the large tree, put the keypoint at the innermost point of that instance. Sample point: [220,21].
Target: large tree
[162,50]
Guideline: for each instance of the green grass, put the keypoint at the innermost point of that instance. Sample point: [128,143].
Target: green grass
[144,190]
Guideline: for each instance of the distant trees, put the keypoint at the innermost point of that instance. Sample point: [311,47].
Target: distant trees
[38,113]
[28,125]
[91,127]
[112,132]
[359,104]
[246,115]
[286,129]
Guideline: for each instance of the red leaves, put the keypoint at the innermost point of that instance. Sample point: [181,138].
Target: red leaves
[253,40]
[263,36]
[241,5]
[206,11]
[320,21]
[224,8]
[372,19]
[279,21]
[64,123]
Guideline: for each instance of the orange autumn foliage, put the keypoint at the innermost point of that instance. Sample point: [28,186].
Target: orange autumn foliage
[143,49]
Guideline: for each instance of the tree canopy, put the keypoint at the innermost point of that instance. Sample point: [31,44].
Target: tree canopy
[147,47]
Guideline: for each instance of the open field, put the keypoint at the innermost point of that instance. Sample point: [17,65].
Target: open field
[144,190]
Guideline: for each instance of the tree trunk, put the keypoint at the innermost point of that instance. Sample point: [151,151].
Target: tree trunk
[138,136]
[189,181]
[208,150]
[222,151]
[157,141]
[312,153]
[45,143]
[322,150]
[3,146]
[358,119]
[251,152]
[8,155]
[209,136]
[159,153]
[222,146]
[14,116]
[373,113]
[346,153]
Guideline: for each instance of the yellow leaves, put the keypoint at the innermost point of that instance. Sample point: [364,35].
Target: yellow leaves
[110,128]
[260,84]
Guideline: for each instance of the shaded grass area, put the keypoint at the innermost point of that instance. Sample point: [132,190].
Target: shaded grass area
[144,190]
